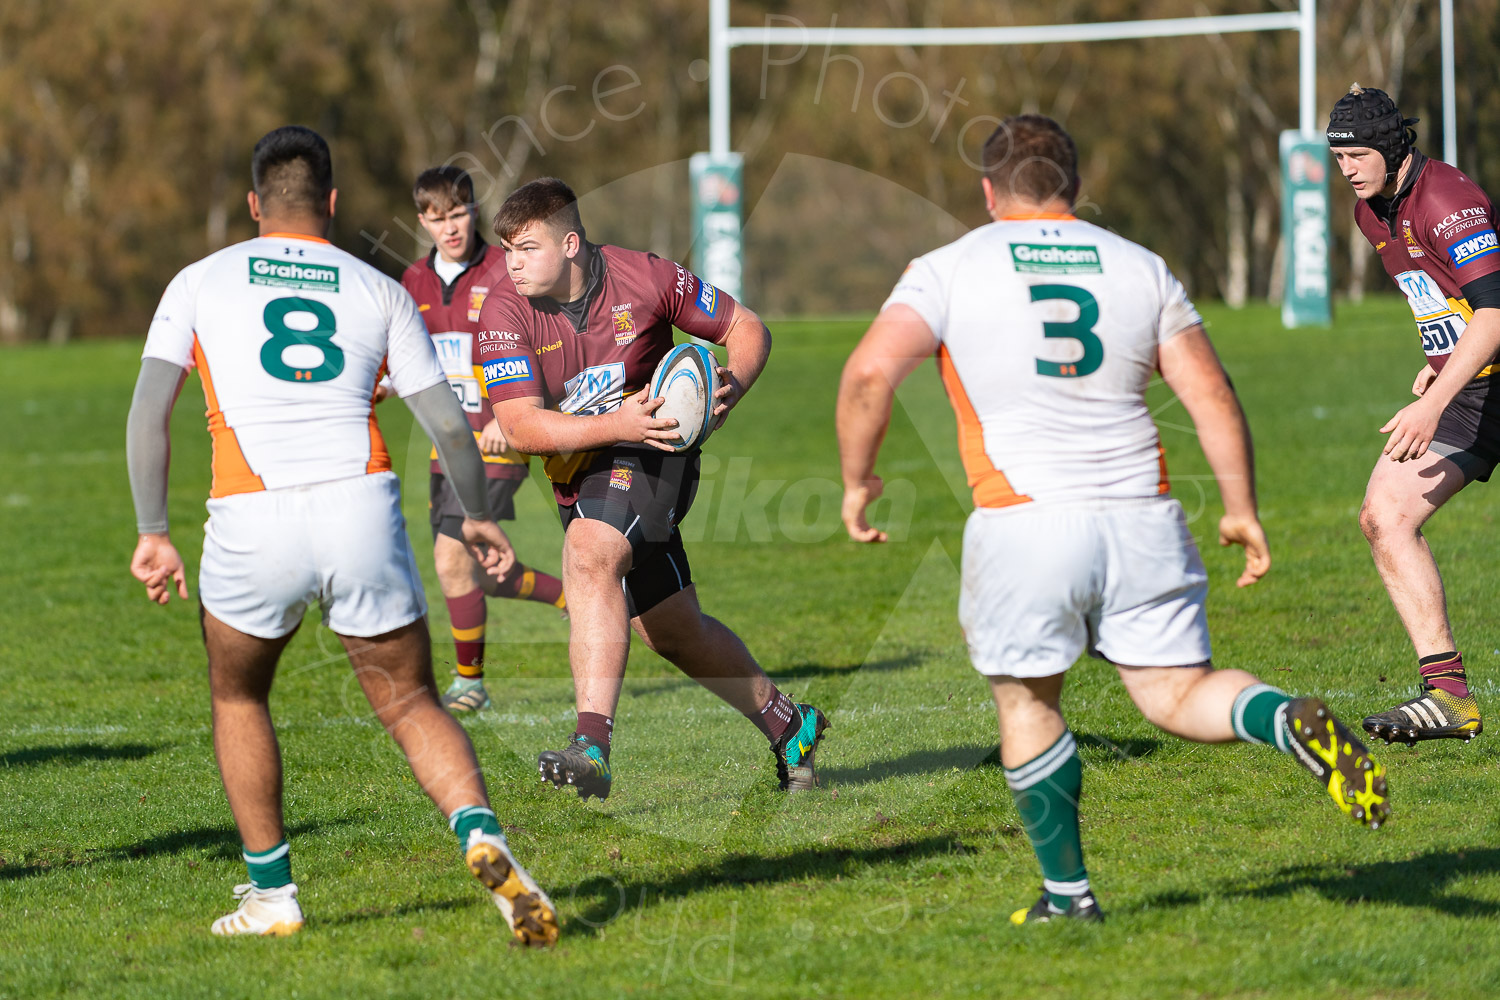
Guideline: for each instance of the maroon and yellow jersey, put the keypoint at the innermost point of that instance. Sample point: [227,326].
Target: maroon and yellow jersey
[585,357]
[1434,237]
[451,313]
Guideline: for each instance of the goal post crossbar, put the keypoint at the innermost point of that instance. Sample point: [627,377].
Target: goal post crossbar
[722,37]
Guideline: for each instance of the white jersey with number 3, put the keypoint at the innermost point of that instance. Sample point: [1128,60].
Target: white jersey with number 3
[289,334]
[1046,333]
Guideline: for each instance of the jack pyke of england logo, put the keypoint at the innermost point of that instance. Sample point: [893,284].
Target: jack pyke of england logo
[308,277]
[1049,258]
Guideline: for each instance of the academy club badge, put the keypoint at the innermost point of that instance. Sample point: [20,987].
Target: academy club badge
[624,324]
[476,301]
[621,475]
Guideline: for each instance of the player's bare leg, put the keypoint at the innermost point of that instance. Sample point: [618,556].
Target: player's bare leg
[395,672]
[1400,498]
[596,557]
[1045,775]
[706,650]
[1205,705]
[240,670]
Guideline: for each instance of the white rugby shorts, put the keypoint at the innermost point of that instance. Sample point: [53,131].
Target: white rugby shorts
[268,555]
[1121,579]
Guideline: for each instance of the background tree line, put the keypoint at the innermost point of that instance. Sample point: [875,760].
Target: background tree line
[126,128]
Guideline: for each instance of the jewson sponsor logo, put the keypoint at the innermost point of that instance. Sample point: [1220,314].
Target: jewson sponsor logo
[1480,245]
[708,297]
[1047,258]
[512,370]
[310,277]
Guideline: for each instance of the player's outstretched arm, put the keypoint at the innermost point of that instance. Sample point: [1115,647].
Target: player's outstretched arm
[1413,426]
[439,413]
[748,344]
[896,343]
[1192,370]
[148,455]
[533,429]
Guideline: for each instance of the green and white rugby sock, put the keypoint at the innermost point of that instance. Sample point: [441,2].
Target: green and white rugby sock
[270,869]
[1046,789]
[1259,716]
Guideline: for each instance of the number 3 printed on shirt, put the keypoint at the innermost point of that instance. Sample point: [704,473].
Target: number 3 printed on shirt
[284,336]
[1080,329]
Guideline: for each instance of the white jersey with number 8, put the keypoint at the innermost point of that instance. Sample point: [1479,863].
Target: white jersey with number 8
[1046,333]
[289,334]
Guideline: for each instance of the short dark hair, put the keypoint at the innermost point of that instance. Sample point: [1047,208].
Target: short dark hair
[292,171]
[443,188]
[546,200]
[1031,157]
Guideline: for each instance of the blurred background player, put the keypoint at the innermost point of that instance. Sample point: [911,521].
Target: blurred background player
[1047,331]
[450,286]
[581,332]
[289,335]
[1434,231]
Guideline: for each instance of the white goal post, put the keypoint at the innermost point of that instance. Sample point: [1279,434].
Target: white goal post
[721,239]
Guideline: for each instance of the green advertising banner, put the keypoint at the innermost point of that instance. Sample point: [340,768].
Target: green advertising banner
[717,194]
[1304,229]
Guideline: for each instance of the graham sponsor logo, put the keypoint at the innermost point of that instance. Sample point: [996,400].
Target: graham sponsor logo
[1480,245]
[548,347]
[310,277]
[512,370]
[1047,258]
[1464,218]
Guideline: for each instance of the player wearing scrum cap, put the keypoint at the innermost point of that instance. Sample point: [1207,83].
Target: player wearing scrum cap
[1434,230]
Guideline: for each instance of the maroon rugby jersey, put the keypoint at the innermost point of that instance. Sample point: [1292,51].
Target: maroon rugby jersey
[451,313]
[532,347]
[1434,237]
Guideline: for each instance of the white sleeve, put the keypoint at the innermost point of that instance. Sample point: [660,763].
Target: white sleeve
[1177,312]
[922,289]
[170,336]
[410,356]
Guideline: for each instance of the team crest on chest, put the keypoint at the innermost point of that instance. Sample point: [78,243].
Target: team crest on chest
[1411,243]
[624,324]
[476,301]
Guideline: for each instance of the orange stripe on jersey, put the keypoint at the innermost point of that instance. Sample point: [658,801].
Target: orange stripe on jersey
[1163,484]
[380,458]
[231,473]
[991,488]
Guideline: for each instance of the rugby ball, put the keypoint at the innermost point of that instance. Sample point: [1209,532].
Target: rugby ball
[687,378]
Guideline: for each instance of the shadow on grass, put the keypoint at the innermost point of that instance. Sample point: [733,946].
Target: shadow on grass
[918,762]
[77,753]
[218,843]
[1131,749]
[645,687]
[603,899]
[1424,881]
[365,913]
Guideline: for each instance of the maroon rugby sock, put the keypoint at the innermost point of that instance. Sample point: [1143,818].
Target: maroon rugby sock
[775,715]
[1445,671]
[467,615]
[596,727]
[526,584]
